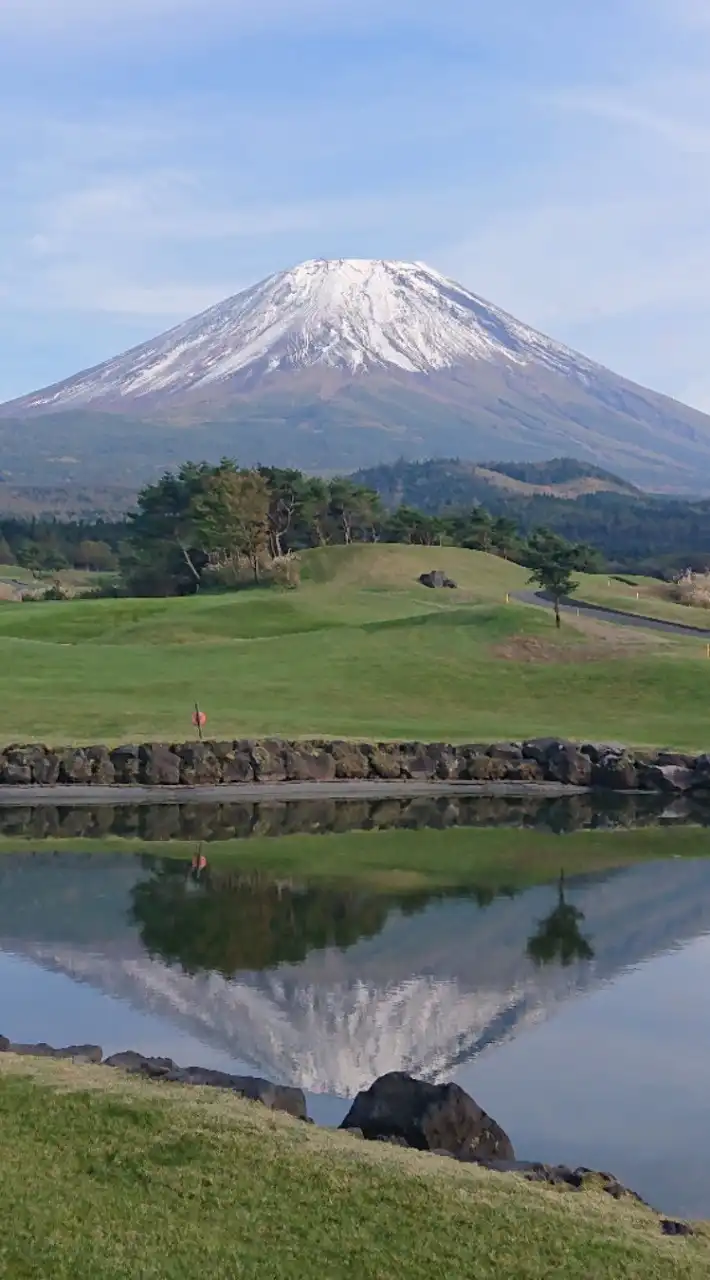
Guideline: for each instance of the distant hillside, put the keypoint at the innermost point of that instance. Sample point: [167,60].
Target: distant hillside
[440,483]
[584,503]
[559,478]
[65,502]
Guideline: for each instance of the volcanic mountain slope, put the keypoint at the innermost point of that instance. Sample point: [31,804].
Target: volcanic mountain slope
[338,364]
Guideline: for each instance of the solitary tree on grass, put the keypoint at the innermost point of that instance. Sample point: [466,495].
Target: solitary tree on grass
[553,561]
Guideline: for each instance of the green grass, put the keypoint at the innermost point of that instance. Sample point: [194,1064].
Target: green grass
[458,856]
[637,594]
[103,1177]
[360,650]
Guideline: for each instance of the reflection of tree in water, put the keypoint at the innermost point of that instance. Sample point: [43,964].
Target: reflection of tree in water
[558,936]
[225,922]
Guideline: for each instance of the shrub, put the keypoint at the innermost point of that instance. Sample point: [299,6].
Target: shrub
[692,589]
[285,571]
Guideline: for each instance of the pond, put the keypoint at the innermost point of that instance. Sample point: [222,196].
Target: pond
[553,958]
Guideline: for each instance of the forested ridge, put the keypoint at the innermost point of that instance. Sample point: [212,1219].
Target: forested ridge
[209,525]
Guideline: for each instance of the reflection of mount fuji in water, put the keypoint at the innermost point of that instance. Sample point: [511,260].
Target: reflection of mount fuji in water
[423,990]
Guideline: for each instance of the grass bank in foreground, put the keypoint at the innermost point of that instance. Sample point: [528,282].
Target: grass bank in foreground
[493,857]
[103,1177]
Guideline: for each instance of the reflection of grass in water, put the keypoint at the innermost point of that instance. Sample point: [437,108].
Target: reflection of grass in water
[412,860]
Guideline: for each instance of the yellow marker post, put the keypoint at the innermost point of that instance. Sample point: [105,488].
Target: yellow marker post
[507,601]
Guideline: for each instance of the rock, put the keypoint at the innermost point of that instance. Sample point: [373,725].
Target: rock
[539,748]
[275,1097]
[419,761]
[350,760]
[22,765]
[158,766]
[562,761]
[17,766]
[565,763]
[385,761]
[429,1117]
[45,767]
[4,1044]
[579,1179]
[615,773]
[436,578]
[199,765]
[74,767]
[137,1064]
[506,751]
[669,1227]
[79,1052]
[487,769]
[525,771]
[428,762]
[268,759]
[666,778]
[126,765]
[103,772]
[238,769]
[674,757]
[235,761]
[597,750]
[306,763]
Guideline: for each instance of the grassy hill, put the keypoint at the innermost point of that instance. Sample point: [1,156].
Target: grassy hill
[106,1176]
[359,650]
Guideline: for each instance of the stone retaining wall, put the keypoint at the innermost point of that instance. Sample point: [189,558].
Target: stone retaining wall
[596,765]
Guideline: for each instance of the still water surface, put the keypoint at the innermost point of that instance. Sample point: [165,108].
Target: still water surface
[578,1014]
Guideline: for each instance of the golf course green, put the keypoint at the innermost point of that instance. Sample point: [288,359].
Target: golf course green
[359,650]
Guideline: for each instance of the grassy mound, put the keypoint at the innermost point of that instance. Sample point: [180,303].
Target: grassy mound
[360,650]
[104,1177]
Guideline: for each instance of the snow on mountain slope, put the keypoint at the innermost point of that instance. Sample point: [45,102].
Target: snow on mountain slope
[349,315]
[348,363]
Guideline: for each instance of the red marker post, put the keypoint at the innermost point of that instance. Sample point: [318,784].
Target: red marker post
[199,719]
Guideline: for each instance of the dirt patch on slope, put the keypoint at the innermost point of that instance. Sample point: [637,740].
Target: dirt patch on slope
[591,642]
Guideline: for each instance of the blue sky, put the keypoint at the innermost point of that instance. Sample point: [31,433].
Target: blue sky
[158,155]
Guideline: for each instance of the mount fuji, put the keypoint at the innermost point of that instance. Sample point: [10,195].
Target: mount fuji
[334,365]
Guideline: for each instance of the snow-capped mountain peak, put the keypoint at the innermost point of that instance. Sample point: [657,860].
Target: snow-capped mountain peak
[352,315]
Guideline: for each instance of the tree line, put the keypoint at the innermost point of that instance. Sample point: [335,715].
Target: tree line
[209,526]
[47,546]
[206,525]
